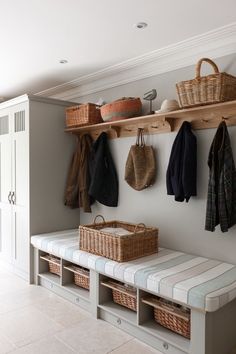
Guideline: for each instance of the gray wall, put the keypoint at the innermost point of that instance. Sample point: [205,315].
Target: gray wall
[181,225]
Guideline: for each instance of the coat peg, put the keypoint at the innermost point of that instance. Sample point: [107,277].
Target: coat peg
[115,129]
[205,120]
[224,119]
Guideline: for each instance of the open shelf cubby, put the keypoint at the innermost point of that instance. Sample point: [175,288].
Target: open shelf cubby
[76,279]
[111,291]
[147,322]
[47,266]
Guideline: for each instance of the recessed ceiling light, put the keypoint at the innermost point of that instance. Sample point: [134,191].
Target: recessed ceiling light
[63,61]
[140,25]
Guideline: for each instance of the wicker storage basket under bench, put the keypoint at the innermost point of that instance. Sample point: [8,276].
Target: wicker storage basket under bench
[172,316]
[140,240]
[81,276]
[123,294]
[54,263]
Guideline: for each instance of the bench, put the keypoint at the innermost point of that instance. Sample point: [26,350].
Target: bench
[206,286]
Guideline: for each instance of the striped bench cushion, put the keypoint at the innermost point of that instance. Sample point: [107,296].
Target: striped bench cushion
[199,282]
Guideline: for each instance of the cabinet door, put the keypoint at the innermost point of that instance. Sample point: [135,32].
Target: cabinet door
[5,187]
[20,188]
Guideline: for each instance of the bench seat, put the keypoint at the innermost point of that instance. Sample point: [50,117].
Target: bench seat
[198,282]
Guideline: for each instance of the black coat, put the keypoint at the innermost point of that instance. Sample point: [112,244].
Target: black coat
[181,174]
[104,181]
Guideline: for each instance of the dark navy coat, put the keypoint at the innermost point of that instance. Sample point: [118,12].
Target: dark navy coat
[181,176]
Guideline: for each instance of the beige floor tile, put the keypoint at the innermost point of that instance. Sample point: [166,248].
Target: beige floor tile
[46,346]
[62,311]
[93,336]
[135,347]
[5,345]
[12,284]
[27,325]
[24,297]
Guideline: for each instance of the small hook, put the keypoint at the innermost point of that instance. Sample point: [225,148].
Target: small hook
[115,129]
[224,119]
[205,120]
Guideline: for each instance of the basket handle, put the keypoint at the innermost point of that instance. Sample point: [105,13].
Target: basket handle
[95,219]
[140,224]
[199,64]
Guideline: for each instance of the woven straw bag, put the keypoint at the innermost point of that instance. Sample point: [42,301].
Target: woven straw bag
[140,169]
[214,88]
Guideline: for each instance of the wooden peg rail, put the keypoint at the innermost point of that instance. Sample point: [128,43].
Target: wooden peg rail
[203,117]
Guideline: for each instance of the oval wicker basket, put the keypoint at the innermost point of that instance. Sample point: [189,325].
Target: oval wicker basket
[126,107]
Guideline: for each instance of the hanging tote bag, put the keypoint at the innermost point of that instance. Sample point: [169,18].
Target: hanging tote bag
[140,168]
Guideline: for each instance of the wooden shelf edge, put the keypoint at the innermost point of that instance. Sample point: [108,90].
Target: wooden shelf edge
[201,117]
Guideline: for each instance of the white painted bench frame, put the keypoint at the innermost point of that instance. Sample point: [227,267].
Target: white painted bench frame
[211,332]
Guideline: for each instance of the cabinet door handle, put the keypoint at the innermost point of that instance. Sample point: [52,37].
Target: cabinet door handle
[13,199]
[9,197]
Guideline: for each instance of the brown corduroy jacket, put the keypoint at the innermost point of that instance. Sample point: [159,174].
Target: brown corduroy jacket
[78,180]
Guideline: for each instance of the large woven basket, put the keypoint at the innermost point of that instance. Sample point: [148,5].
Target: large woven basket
[214,88]
[126,107]
[174,317]
[123,294]
[54,264]
[82,115]
[142,241]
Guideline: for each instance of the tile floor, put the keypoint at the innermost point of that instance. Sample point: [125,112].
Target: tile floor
[33,320]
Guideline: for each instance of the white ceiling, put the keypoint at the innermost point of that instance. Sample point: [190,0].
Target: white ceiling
[92,35]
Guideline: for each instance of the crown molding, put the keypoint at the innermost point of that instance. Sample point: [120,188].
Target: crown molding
[216,43]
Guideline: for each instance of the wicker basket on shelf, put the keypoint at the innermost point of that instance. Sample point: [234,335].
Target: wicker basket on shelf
[81,276]
[84,114]
[214,88]
[171,316]
[123,294]
[139,241]
[54,264]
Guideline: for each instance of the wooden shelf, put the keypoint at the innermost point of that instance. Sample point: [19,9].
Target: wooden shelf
[203,117]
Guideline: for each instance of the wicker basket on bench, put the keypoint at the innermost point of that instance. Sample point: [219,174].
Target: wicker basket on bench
[171,316]
[140,240]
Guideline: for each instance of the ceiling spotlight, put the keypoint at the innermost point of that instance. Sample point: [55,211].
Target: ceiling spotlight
[63,61]
[140,25]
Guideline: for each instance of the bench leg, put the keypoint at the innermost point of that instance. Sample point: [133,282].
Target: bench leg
[94,292]
[214,332]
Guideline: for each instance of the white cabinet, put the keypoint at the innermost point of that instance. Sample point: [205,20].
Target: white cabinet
[34,157]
